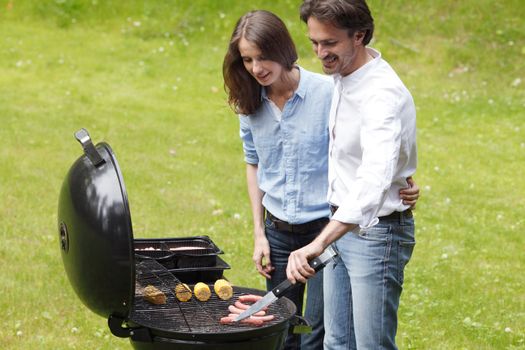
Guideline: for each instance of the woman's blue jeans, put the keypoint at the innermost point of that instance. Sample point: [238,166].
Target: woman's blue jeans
[362,291]
[282,243]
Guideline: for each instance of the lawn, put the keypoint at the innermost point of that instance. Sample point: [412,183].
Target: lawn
[146,77]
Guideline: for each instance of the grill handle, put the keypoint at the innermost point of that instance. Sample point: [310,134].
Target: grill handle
[90,150]
[116,326]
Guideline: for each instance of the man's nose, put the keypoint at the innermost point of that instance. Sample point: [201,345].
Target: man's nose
[320,51]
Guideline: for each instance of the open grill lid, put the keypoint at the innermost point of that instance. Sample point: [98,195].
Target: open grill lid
[96,237]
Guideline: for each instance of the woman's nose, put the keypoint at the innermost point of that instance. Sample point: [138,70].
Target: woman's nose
[257,66]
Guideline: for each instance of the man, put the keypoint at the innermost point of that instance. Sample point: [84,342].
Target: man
[372,151]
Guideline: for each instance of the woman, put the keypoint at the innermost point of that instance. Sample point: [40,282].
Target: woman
[283,112]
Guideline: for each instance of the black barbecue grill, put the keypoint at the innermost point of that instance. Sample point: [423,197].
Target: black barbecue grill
[109,269]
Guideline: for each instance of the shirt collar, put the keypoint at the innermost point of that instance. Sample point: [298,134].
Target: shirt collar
[361,71]
[301,89]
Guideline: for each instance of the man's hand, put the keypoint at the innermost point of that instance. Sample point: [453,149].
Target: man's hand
[298,268]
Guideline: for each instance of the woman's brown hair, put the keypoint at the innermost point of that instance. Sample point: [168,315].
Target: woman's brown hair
[269,33]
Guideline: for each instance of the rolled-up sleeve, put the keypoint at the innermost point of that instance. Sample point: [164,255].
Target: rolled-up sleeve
[245,132]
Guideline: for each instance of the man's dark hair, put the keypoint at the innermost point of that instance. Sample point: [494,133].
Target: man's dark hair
[352,15]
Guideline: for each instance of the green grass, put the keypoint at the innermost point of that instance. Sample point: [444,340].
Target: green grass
[146,77]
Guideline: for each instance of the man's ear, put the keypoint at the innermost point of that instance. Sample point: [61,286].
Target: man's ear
[358,38]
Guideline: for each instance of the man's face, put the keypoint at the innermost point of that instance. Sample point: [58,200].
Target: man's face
[333,46]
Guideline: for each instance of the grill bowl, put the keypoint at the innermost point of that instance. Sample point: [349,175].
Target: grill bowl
[169,330]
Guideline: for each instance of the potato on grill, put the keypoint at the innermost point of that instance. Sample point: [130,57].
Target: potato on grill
[154,296]
[183,292]
[202,291]
[223,289]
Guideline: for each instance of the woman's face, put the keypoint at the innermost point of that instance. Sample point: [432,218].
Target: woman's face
[266,72]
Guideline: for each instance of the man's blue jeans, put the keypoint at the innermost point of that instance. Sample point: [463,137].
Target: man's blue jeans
[282,243]
[362,291]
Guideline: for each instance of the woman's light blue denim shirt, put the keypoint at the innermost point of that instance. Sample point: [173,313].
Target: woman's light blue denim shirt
[292,153]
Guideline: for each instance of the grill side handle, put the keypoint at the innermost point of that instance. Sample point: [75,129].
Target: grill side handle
[117,327]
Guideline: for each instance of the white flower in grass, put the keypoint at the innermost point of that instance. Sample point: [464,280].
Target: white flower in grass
[221,15]
[236,216]
[516,82]
[491,101]
[448,200]
[508,330]
[136,23]
[467,321]
[436,168]
[217,212]
[444,256]
[74,330]
[19,333]
[427,188]
[161,49]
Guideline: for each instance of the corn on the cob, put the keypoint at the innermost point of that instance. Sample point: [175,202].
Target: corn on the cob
[223,289]
[183,292]
[154,296]
[202,291]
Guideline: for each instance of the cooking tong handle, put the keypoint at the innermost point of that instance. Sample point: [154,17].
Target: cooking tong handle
[317,264]
[90,150]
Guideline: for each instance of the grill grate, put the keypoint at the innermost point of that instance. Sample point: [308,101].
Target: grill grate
[192,316]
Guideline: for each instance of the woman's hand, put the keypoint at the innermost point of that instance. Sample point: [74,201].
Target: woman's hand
[261,255]
[410,195]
